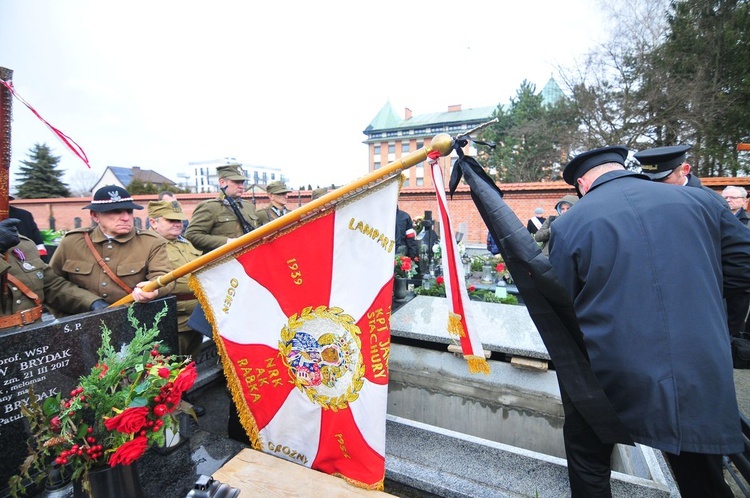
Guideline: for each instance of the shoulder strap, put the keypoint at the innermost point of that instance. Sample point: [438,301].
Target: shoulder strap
[23,288]
[104,266]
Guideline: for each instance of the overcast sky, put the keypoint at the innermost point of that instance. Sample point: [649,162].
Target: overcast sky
[290,85]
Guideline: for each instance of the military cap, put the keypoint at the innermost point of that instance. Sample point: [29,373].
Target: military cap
[319,192]
[658,163]
[277,188]
[170,210]
[580,164]
[111,198]
[231,172]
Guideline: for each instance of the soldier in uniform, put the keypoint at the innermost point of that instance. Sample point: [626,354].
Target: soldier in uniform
[165,218]
[214,222]
[26,282]
[277,207]
[113,259]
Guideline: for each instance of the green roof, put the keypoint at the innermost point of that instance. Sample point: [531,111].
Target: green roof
[551,92]
[387,119]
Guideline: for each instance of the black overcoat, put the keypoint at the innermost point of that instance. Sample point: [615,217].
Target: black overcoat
[646,264]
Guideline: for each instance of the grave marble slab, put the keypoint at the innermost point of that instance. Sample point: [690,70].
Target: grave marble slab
[503,328]
[52,356]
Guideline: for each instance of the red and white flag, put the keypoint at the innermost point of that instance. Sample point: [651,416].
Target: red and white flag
[461,323]
[302,323]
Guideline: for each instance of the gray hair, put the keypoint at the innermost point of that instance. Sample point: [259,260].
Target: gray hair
[741,189]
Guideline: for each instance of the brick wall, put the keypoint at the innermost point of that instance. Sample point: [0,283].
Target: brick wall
[522,198]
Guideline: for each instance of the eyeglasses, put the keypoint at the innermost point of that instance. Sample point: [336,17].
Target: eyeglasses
[733,197]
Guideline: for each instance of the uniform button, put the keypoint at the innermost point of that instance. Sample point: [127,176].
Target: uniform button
[18,301]
[109,247]
[106,259]
[104,295]
[78,269]
[104,284]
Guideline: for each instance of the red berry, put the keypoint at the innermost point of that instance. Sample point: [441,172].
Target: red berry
[160,410]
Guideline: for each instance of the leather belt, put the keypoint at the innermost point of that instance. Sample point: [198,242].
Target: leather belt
[20,318]
[188,296]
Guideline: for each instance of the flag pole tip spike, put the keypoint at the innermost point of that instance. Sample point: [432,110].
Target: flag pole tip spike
[443,143]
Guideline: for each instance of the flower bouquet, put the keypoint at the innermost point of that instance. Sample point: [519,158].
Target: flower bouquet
[117,411]
[403,267]
[486,295]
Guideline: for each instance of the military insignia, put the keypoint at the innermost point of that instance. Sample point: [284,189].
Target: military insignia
[649,167]
[27,266]
[114,196]
[322,350]
[40,275]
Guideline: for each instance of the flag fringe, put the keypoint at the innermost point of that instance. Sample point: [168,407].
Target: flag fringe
[477,364]
[246,418]
[455,327]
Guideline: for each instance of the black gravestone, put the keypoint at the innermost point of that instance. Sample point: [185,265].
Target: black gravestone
[53,356]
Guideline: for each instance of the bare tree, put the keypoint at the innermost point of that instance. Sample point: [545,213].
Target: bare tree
[82,182]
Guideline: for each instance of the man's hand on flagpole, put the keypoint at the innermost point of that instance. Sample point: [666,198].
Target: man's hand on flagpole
[142,296]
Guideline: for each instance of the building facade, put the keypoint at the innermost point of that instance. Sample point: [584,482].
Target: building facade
[204,179]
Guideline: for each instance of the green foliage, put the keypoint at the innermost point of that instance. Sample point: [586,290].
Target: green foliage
[486,295]
[49,237]
[39,177]
[139,187]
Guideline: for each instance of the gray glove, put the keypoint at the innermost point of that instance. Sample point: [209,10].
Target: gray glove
[9,234]
[99,304]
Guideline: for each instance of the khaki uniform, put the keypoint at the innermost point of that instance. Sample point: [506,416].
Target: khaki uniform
[181,252]
[25,264]
[269,213]
[135,257]
[213,222]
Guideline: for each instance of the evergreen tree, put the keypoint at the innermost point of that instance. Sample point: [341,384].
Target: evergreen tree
[39,177]
[138,187]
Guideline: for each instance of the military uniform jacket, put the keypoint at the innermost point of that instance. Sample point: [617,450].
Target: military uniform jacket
[213,222]
[134,257]
[269,213]
[181,252]
[24,263]
[660,352]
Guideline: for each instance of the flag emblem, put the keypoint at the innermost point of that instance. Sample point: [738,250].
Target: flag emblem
[322,350]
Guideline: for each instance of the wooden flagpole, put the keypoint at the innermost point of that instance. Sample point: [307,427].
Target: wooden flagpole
[443,143]
[6,107]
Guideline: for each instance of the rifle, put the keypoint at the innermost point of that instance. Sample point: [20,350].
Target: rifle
[246,227]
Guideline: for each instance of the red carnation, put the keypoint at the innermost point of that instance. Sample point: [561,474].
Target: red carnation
[439,279]
[129,421]
[129,452]
[185,380]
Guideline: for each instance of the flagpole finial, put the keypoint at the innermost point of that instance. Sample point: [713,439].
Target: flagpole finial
[443,143]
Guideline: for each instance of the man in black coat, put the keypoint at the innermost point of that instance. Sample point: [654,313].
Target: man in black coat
[661,354]
[27,227]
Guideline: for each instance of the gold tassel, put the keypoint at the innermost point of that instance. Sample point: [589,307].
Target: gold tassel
[246,418]
[477,364]
[455,327]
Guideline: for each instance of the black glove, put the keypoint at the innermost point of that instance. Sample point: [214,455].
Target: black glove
[9,234]
[99,304]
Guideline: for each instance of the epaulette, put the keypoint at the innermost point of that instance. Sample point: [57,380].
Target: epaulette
[80,230]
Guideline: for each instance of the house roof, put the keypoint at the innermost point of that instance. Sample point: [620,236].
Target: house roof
[551,92]
[127,175]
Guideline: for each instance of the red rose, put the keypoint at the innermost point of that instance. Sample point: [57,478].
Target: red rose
[185,380]
[129,421]
[472,288]
[129,452]
[439,279]
[500,268]
[164,373]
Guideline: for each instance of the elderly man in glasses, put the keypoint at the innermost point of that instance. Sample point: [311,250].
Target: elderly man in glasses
[736,197]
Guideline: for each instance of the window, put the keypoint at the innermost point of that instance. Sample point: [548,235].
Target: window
[420,144]
[376,150]
[406,182]
[273,176]
[420,182]
[391,148]
[376,165]
[404,147]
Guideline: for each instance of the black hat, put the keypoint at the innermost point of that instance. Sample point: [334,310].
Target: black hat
[110,198]
[658,163]
[580,164]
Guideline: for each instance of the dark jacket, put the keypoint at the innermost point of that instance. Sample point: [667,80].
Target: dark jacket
[406,237]
[694,181]
[661,354]
[28,228]
[742,216]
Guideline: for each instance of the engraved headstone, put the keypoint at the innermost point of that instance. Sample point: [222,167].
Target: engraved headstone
[53,356]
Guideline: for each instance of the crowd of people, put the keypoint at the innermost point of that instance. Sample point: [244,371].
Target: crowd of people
[621,249]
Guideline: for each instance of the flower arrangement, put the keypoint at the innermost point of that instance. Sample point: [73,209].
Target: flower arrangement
[117,411]
[486,295]
[404,267]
